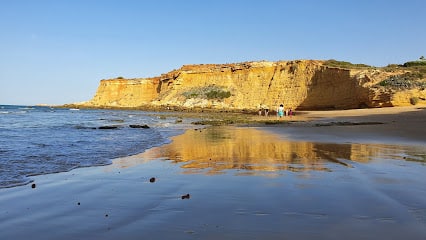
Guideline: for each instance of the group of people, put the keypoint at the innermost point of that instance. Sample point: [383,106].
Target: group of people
[281,112]
[263,110]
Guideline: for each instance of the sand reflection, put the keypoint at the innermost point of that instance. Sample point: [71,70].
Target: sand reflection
[213,150]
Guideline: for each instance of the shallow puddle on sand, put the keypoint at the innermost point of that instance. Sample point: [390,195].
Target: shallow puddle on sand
[251,151]
[246,183]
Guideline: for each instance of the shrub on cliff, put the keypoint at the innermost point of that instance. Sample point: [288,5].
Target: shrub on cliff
[343,64]
[220,94]
[407,80]
[414,100]
[208,92]
[415,63]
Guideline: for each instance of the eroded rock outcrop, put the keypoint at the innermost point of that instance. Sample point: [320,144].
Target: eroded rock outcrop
[301,84]
[125,92]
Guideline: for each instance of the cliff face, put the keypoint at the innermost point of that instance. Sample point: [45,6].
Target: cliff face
[303,84]
[125,92]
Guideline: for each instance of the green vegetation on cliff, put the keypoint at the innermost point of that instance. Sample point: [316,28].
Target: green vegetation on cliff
[209,92]
[343,64]
[403,81]
[414,77]
[420,63]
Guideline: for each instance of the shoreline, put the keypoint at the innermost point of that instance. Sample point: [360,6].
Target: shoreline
[392,125]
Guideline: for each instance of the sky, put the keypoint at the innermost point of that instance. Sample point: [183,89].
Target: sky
[57,51]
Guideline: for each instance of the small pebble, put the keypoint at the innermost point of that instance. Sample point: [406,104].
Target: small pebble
[78,203]
[186,196]
[106,215]
[33,185]
[152,179]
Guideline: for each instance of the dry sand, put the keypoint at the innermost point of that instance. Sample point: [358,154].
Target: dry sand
[244,183]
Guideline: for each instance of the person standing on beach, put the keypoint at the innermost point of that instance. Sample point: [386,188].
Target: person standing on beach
[280,111]
[266,111]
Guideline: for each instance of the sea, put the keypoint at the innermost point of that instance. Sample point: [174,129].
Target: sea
[42,140]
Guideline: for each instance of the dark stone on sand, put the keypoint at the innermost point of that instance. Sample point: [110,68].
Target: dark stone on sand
[33,185]
[152,179]
[78,203]
[108,127]
[106,215]
[186,196]
[138,126]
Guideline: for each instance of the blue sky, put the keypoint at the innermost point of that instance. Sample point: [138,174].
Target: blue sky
[57,51]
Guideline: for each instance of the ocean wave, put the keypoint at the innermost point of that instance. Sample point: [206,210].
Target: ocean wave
[44,142]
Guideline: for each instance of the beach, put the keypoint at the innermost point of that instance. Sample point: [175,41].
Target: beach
[398,125]
[352,174]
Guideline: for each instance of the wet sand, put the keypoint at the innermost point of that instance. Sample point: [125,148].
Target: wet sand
[311,179]
[397,125]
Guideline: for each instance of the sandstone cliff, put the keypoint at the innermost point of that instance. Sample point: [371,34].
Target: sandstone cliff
[125,93]
[301,84]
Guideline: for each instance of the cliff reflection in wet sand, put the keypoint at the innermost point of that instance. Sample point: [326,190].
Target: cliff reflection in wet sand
[248,150]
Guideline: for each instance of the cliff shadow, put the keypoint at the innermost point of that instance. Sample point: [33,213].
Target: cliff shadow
[332,89]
